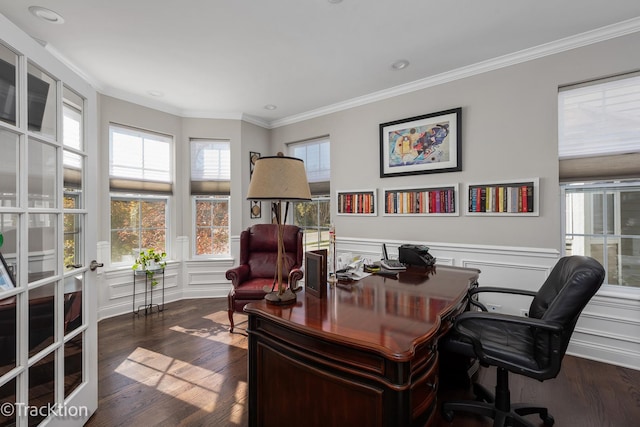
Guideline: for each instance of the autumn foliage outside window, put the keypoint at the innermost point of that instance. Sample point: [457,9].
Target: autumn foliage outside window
[212,225]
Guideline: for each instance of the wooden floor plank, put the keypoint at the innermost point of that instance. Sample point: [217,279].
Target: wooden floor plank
[183,367]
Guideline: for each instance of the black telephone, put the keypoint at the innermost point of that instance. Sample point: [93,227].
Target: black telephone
[415,255]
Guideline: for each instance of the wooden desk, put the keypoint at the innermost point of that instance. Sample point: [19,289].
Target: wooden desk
[361,357]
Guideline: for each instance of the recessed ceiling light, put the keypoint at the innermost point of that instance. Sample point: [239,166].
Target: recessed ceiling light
[46,15]
[270,107]
[400,64]
[155,93]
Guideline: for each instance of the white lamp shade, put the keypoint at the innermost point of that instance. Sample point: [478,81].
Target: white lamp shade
[279,178]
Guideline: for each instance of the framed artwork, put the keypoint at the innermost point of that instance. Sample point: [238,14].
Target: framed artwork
[253,156]
[256,209]
[256,205]
[315,271]
[424,144]
[6,279]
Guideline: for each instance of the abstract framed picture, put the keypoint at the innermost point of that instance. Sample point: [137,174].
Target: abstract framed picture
[430,143]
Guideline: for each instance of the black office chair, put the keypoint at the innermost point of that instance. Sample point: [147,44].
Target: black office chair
[533,346]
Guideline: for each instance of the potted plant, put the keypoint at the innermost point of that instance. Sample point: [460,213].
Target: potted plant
[151,262]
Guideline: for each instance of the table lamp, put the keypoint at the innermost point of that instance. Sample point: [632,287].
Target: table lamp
[277,179]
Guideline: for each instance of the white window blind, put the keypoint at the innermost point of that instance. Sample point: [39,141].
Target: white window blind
[599,119]
[316,156]
[210,166]
[139,160]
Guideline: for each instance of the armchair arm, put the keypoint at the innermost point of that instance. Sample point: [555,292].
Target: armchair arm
[295,275]
[494,289]
[238,274]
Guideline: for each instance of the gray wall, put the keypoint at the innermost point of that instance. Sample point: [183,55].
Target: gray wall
[509,131]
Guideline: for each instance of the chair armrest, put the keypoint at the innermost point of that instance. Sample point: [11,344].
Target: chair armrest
[506,318]
[294,276]
[497,290]
[238,274]
[554,330]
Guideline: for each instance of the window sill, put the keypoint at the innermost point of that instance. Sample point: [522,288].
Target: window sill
[620,292]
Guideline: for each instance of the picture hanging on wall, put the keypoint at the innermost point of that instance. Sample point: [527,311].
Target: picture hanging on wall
[424,144]
[256,209]
[256,206]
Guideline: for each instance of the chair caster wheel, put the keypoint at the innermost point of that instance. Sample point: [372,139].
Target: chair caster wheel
[548,420]
[447,415]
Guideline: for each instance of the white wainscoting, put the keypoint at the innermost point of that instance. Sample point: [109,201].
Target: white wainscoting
[608,330]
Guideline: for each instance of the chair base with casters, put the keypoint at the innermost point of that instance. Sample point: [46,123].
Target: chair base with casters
[532,346]
[498,406]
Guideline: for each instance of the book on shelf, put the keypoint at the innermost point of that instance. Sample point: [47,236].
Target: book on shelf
[420,201]
[502,198]
[356,203]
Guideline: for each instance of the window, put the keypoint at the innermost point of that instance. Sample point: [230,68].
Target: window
[603,221]
[140,180]
[137,223]
[210,188]
[211,225]
[599,150]
[314,217]
[139,160]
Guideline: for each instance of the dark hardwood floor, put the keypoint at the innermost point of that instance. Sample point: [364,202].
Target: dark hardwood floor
[183,367]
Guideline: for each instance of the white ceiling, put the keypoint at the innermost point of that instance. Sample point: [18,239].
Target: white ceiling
[230,58]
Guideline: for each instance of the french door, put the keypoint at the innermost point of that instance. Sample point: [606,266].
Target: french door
[48,307]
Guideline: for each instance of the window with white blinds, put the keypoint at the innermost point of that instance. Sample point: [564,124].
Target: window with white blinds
[210,167]
[316,156]
[140,161]
[599,129]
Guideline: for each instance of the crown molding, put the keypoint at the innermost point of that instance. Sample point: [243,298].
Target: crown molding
[584,39]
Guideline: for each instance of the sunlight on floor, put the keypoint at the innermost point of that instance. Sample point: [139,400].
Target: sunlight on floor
[218,331]
[193,385]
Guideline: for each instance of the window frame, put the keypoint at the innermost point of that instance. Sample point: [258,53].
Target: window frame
[614,188]
[194,227]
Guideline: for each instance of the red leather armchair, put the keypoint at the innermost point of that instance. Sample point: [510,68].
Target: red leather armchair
[257,268]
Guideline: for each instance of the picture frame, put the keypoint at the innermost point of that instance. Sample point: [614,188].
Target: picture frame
[256,206]
[253,156]
[315,271]
[6,278]
[430,143]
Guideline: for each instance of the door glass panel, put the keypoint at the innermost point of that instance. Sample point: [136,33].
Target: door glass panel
[72,130]
[41,102]
[41,320]
[73,364]
[72,176]
[42,246]
[8,396]
[73,241]
[73,286]
[41,388]
[42,175]
[8,109]
[7,335]
[9,228]
[8,168]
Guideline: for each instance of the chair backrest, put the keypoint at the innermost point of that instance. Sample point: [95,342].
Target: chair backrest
[560,300]
[259,248]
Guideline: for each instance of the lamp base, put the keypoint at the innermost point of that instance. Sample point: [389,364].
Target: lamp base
[287,297]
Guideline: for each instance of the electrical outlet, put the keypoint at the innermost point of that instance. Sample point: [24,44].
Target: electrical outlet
[493,307]
[524,312]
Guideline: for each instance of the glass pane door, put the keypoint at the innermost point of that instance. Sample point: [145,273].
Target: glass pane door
[47,302]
